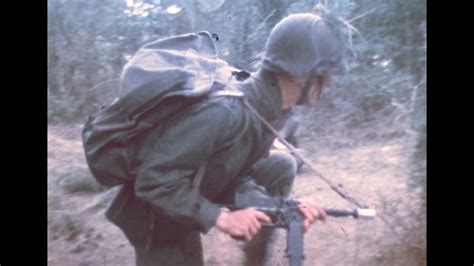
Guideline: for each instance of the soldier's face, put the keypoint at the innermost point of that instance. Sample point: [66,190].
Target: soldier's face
[313,89]
[298,92]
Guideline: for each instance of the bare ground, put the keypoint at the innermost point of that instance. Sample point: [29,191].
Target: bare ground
[375,173]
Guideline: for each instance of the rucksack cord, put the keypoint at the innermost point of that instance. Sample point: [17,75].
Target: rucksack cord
[337,188]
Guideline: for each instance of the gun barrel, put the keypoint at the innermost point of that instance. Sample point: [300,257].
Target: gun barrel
[356,213]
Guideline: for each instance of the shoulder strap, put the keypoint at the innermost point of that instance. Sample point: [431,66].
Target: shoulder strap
[224,92]
[332,184]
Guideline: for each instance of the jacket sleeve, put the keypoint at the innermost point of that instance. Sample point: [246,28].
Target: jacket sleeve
[165,176]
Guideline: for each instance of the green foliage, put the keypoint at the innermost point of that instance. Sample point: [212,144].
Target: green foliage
[90,41]
[73,178]
[63,107]
[79,180]
[62,224]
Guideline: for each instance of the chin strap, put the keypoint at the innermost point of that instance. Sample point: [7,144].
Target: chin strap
[304,95]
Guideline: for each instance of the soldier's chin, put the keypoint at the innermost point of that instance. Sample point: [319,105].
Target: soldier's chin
[312,101]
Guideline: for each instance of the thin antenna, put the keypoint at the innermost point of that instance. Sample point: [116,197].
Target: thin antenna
[363,14]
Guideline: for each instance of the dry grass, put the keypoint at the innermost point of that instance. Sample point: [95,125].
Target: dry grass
[374,172]
[78,233]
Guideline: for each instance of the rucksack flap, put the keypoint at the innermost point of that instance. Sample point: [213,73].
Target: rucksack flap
[190,60]
[182,69]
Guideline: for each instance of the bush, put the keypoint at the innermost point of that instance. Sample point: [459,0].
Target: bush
[65,225]
[78,180]
[63,107]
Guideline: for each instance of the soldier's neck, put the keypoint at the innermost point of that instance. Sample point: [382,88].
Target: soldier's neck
[266,95]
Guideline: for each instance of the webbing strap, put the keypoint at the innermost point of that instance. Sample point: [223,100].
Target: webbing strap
[224,92]
[328,181]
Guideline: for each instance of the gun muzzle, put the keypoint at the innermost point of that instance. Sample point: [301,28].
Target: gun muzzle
[366,213]
[356,213]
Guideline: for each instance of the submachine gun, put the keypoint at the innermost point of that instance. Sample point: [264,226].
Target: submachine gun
[285,214]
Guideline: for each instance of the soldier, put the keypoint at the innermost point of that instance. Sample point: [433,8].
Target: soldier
[163,211]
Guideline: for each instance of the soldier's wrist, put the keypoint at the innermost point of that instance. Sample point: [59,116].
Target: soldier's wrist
[222,218]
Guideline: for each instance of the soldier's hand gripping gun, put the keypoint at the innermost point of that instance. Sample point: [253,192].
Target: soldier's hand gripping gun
[285,213]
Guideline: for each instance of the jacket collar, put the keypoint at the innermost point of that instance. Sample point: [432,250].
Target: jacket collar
[263,93]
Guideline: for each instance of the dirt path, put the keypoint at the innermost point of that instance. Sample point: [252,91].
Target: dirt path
[79,234]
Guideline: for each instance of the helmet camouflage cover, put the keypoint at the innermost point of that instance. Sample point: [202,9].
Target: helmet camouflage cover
[303,45]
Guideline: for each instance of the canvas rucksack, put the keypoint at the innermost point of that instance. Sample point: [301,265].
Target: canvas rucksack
[161,78]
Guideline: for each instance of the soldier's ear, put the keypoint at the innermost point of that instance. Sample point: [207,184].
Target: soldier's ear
[322,80]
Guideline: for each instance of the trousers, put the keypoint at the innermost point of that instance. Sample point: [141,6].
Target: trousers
[179,246]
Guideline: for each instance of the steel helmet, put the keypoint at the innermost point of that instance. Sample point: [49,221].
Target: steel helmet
[303,45]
